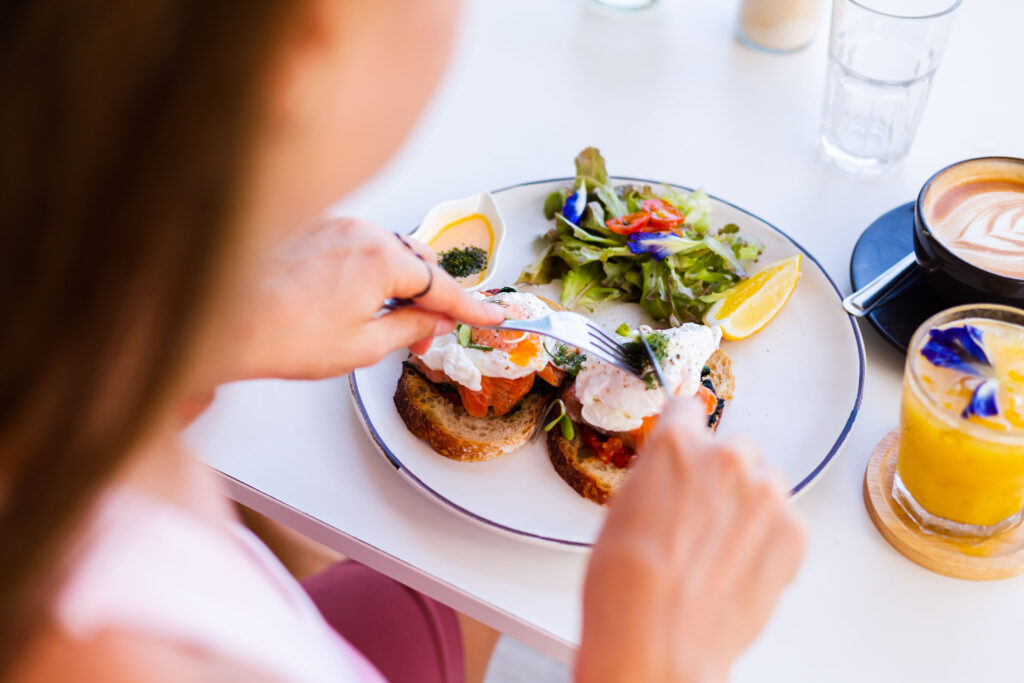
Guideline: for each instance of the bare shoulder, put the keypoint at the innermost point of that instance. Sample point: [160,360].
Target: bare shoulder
[120,657]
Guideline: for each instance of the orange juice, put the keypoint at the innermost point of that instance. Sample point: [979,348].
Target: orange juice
[959,471]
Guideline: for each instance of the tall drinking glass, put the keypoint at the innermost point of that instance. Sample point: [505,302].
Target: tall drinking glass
[883,55]
[960,466]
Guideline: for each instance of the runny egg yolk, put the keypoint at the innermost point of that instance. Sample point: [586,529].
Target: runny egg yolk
[524,351]
[521,347]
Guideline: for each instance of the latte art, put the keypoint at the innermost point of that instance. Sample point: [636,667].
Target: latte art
[983,223]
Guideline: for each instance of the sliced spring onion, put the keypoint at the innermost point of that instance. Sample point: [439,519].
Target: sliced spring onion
[567,429]
[561,413]
[563,421]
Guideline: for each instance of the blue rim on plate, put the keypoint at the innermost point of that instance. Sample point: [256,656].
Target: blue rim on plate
[396,462]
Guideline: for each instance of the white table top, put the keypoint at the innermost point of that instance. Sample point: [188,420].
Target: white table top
[666,93]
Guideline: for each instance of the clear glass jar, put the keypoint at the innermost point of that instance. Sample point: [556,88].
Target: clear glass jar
[625,4]
[778,25]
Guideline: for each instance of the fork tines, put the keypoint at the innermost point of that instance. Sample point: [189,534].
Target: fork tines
[605,343]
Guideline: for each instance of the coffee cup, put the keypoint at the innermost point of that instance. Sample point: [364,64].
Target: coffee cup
[969,231]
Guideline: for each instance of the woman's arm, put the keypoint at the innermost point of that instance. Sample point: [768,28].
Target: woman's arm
[697,547]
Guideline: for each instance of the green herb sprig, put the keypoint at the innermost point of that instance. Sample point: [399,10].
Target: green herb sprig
[566,358]
[637,355]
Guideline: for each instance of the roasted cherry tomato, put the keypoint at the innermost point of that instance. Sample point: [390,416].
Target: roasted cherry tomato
[608,449]
[664,216]
[653,205]
[627,225]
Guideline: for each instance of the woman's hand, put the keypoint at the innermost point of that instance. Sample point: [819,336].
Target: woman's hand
[314,315]
[697,547]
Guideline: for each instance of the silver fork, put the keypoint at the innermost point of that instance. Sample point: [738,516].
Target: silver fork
[575,330]
[564,326]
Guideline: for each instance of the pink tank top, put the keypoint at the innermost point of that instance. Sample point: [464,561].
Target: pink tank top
[153,568]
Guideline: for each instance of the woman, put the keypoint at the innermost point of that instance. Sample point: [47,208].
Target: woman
[164,163]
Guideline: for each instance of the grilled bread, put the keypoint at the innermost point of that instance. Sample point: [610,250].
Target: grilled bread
[442,422]
[451,431]
[596,480]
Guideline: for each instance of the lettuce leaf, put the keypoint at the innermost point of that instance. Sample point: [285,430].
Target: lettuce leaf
[583,233]
[696,206]
[590,168]
[591,173]
[577,253]
[577,281]
[553,203]
[596,295]
[545,269]
[613,204]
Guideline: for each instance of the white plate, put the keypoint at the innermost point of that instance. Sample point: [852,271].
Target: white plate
[798,390]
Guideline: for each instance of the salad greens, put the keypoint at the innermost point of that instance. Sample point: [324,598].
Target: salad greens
[674,272]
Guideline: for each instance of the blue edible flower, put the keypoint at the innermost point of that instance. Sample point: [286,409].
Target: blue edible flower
[959,348]
[983,400]
[962,348]
[660,245]
[575,204]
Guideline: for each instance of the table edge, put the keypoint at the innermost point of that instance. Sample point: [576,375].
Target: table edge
[398,569]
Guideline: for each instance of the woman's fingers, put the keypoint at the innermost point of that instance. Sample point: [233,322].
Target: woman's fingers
[402,328]
[685,426]
[761,499]
[435,290]
[422,249]
[420,347]
[703,525]
[668,465]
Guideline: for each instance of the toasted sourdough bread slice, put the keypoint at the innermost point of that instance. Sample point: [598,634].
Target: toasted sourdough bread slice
[456,434]
[596,480]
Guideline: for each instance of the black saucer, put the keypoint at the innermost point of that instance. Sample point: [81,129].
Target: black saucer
[886,241]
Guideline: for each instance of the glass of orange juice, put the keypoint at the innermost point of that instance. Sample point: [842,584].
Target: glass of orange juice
[960,467]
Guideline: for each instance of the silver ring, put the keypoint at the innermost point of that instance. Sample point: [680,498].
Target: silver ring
[430,271]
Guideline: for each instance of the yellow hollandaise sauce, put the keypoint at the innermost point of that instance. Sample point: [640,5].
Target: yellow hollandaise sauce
[464,248]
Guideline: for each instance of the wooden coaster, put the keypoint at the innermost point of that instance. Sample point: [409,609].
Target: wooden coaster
[998,557]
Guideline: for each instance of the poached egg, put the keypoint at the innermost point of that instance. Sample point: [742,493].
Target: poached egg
[520,353]
[616,401]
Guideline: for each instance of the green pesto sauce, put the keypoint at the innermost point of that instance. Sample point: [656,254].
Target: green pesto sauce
[463,262]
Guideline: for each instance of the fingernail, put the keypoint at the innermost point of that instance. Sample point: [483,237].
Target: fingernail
[444,326]
[494,310]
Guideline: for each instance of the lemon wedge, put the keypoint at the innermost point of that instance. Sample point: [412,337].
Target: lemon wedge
[753,303]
